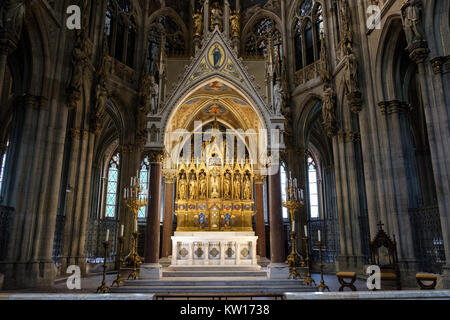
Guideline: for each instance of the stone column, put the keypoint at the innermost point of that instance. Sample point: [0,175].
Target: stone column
[278,269]
[260,225]
[169,179]
[151,269]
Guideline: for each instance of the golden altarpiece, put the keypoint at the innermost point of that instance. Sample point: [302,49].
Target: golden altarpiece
[214,207]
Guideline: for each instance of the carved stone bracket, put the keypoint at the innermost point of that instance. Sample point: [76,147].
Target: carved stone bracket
[419,51]
[355,102]
[394,107]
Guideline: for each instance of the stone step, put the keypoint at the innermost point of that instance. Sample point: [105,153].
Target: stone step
[212,289]
[216,282]
[213,268]
[209,274]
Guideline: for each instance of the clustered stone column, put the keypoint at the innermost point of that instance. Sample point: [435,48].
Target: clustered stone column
[151,269]
[260,225]
[169,179]
[278,269]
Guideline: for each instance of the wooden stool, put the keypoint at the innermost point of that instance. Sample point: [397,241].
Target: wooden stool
[346,275]
[421,277]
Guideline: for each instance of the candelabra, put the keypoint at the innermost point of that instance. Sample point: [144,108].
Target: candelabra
[104,288]
[322,286]
[294,200]
[308,280]
[293,260]
[119,280]
[134,201]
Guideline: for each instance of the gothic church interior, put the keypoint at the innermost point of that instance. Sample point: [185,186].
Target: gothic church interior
[265,141]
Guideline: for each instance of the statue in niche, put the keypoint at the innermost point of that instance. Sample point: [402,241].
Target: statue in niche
[216,16]
[154,94]
[351,74]
[101,95]
[192,187]
[412,16]
[227,186]
[215,187]
[346,28]
[182,186]
[325,69]
[79,61]
[12,13]
[202,185]
[247,187]
[328,111]
[277,97]
[235,24]
[237,187]
[197,19]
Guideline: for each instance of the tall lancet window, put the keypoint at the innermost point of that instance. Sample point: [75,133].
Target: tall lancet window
[283,177]
[112,187]
[143,175]
[313,188]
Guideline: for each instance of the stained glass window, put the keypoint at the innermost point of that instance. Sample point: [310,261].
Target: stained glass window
[313,188]
[283,177]
[112,187]
[144,172]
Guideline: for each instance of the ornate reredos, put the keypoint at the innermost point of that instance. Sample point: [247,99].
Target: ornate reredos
[215,61]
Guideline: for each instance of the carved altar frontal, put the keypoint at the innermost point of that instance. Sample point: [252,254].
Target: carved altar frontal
[214,248]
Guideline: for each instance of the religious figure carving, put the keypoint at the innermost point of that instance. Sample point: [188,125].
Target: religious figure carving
[215,188]
[325,70]
[12,13]
[247,188]
[154,95]
[328,112]
[216,16]
[79,60]
[235,24]
[227,186]
[277,98]
[202,185]
[144,96]
[237,187]
[412,20]
[192,188]
[197,19]
[101,95]
[346,27]
[182,186]
[351,74]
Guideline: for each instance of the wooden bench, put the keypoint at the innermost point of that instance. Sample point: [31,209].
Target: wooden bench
[426,277]
[342,276]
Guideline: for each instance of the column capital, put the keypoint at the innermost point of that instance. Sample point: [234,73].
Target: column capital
[437,63]
[169,176]
[259,178]
[155,156]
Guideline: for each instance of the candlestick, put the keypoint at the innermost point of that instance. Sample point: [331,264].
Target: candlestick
[306,231]
[107,235]
[308,280]
[119,260]
[322,286]
[318,234]
[293,260]
[104,288]
[121,231]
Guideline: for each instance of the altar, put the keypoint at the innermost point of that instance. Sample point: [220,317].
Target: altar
[214,208]
[214,248]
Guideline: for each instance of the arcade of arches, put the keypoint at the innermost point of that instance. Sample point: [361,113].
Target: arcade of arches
[214,105]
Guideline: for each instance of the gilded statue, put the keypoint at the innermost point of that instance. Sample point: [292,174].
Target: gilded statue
[235,24]
[215,187]
[202,185]
[197,18]
[192,188]
[182,186]
[216,16]
[247,188]
[237,187]
[227,186]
